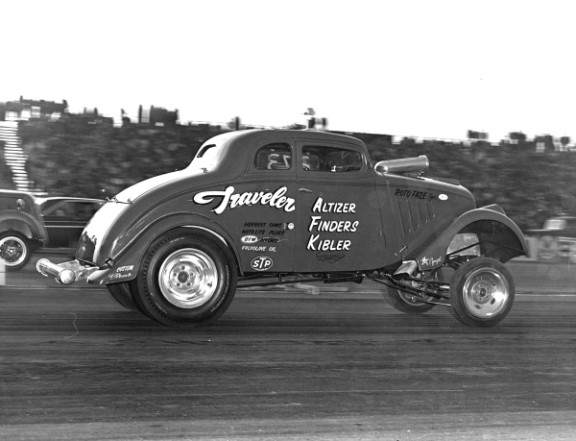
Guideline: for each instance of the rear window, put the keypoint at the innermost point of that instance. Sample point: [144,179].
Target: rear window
[276,156]
[207,158]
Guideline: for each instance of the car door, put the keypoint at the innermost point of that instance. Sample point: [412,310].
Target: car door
[339,219]
[264,225]
[65,220]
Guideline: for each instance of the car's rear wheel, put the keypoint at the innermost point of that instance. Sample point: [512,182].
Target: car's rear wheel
[481,292]
[185,279]
[122,294]
[15,250]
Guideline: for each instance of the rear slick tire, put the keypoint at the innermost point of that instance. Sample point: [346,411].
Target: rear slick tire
[481,292]
[185,279]
[121,293]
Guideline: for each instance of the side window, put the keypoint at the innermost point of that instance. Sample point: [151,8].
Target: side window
[62,209]
[85,210]
[330,159]
[277,156]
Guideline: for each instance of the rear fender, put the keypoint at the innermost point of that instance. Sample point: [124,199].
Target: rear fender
[125,261]
[24,224]
[498,235]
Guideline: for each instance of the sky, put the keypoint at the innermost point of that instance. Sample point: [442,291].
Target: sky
[427,69]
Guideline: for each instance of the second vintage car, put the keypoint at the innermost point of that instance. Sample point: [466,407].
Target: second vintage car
[28,222]
[280,206]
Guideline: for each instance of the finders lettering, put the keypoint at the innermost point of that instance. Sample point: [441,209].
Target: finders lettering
[332,226]
[230,199]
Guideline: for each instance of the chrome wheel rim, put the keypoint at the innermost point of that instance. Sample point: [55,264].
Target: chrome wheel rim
[188,278]
[486,293]
[12,250]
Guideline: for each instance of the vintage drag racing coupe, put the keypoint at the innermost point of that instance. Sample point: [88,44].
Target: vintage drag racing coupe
[260,207]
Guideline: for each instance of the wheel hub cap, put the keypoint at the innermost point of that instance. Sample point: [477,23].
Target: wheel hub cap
[188,278]
[486,293]
[12,251]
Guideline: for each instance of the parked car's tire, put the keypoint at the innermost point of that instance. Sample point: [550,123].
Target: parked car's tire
[15,250]
[185,279]
[481,292]
[406,302]
[121,293]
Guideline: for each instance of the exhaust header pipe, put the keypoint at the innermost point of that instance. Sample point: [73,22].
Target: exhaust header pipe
[65,276]
[69,272]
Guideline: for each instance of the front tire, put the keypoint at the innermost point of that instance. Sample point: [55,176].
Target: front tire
[481,292]
[15,250]
[185,280]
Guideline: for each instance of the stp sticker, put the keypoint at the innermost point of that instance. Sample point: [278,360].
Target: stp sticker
[261,263]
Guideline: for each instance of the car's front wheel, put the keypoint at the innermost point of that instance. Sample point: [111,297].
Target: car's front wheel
[185,279]
[481,292]
[15,250]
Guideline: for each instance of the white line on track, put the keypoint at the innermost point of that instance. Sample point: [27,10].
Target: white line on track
[334,294]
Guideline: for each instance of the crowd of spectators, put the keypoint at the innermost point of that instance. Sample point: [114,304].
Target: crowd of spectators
[67,158]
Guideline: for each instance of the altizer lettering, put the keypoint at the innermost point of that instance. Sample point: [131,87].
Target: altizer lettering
[229,199]
[333,207]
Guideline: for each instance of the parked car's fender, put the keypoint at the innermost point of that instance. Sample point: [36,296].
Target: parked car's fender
[23,223]
[485,221]
[127,254]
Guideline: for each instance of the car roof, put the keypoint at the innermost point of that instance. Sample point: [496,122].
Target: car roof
[263,135]
[40,199]
[16,193]
[56,199]
[242,142]
[66,198]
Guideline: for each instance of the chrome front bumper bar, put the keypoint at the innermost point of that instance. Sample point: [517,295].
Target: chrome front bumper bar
[69,272]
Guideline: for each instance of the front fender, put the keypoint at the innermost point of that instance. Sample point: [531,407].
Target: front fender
[499,237]
[125,259]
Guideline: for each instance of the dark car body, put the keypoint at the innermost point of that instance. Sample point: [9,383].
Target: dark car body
[282,202]
[28,222]
[65,218]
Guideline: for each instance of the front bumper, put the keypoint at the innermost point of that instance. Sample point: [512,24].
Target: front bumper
[70,272]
